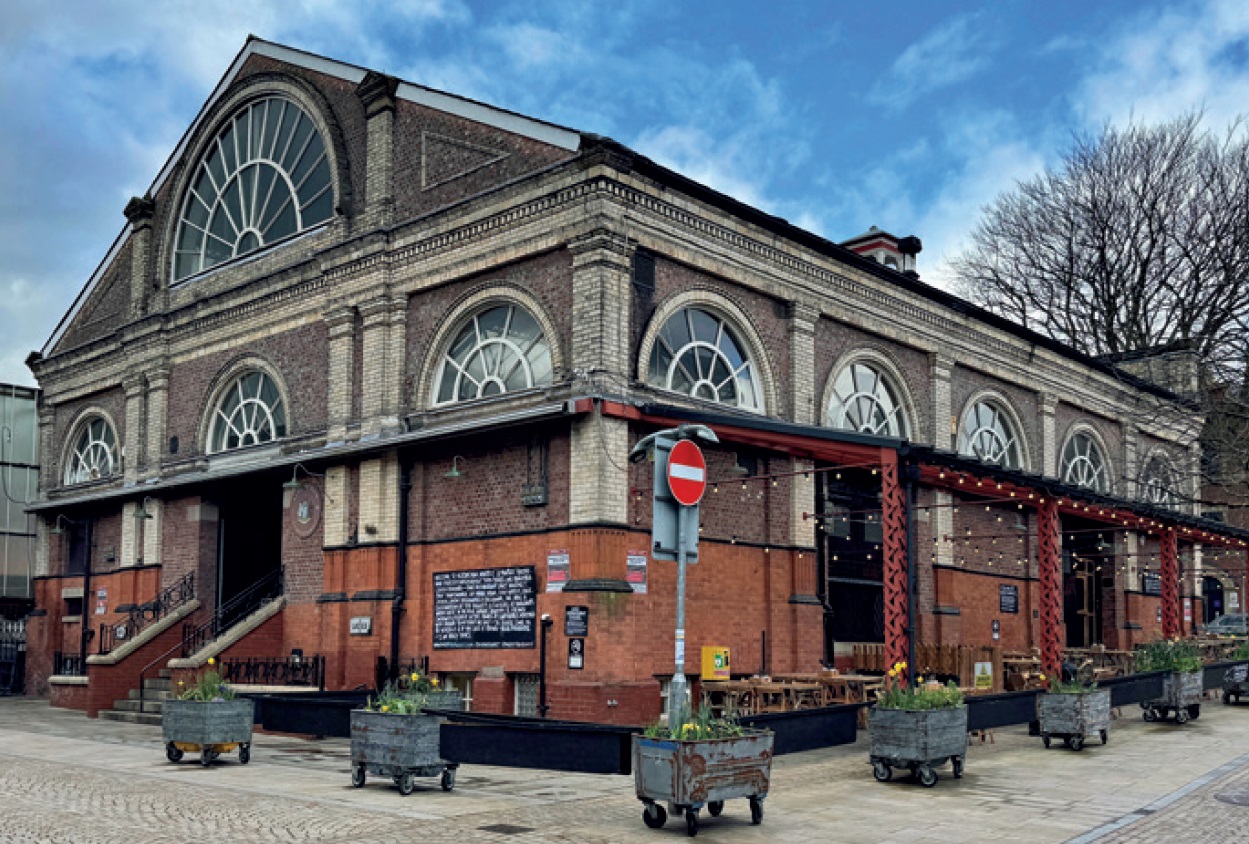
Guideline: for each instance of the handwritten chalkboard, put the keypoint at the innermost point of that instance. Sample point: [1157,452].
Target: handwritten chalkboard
[1008,598]
[485,608]
[1151,583]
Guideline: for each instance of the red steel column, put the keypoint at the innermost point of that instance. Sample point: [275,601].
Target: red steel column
[1170,583]
[893,519]
[1049,561]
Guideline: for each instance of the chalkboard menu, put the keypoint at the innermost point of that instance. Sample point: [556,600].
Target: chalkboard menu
[1008,598]
[1151,583]
[485,608]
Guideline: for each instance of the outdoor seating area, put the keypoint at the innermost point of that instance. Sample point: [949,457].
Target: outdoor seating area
[787,692]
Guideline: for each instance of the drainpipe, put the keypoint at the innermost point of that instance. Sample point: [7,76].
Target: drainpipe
[910,473]
[401,572]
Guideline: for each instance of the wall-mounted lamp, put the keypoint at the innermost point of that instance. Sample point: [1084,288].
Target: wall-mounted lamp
[454,472]
[57,530]
[143,512]
[293,483]
[738,469]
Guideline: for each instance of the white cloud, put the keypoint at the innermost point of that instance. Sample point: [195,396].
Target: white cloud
[944,57]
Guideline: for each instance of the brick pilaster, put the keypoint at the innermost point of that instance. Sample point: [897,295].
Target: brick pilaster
[598,481]
[1049,435]
[133,437]
[379,499]
[801,324]
[943,423]
[377,94]
[376,327]
[601,267]
[129,551]
[336,512]
[150,554]
[340,325]
[157,422]
[139,211]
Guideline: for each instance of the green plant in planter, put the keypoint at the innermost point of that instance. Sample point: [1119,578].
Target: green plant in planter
[696,726]
[1057,686]
[404,696]
[896,695]
[1241,652]
[207,686]
[1169,655]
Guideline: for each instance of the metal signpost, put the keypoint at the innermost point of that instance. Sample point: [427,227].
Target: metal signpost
[679,482]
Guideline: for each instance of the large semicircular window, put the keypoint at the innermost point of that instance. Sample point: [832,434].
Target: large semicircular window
[95,453]
[264,177]
[1084,464]
[1158,485]
[987,434]
[498,350]
[249,412]
[866,400]
[698,354]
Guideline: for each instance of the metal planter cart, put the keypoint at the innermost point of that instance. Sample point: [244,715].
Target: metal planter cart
[688,775]
[1235,683]
[1181,697]
[210,728]
[918,740]
[401,747]
[1074,717]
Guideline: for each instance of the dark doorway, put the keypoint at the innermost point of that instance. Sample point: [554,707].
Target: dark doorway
[1088,565]
[249,547]
[79,556]
[1212,591]
[851,548]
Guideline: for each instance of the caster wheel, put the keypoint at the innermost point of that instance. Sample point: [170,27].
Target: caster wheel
[958,768]
[404,782]
[654,815]
[245,754]
[882,772]
[715,807]
[1077,743]
[1227,697]
[1149,715]
[756,811]
[357,776]
[691,822]
[1105,737]
[927,776]
[1194,712]
[1181,716]
[206,757]
[448,779]
[1045,740]
[172,753]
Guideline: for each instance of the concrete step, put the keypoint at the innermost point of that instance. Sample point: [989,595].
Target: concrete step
[149,718]
[150,694]
[160,684]
[156,706]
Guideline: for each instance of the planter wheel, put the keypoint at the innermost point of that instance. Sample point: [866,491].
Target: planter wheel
[1105,737]
[1149,715]
[404,782]
[206,756]
[1181,716]
[448,779]
[654,815]
[1227,697]
[882,772]
[245,753]
[1045,740]
[715,807]
[1076,743]
[927,776]
[756,811]
[172,753]
[691,822]
[357,776]
[958,767]
[1194,711]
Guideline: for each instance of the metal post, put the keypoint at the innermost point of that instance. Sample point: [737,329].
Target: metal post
[542,707]
[677,691]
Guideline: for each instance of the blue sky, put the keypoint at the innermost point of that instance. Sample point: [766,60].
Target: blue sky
[835,115]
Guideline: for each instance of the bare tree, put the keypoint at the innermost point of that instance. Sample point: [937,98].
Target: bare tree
[1137,240]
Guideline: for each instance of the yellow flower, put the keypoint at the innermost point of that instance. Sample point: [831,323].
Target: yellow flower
[433,681]
[181,683]
[415,677]
[385,707]
[212,661]
[1042,678]
[903,664]
[919,679]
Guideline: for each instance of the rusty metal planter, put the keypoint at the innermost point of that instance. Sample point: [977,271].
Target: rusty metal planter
[1074,717]
[1181,697]
[209,727]
[689,775]
[401,746]
[918,740]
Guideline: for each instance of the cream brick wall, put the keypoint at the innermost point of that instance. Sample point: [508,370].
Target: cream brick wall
[1049,435]
[157,407]
[151,527]
[335,514]
[802,500]
[129,551]
[379,499]
[340,322]
[376,327]
[940,369]
[600,303]
[598,482]
[802,320]
[133,437]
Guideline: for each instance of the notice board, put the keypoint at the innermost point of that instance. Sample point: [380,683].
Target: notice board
[485,608]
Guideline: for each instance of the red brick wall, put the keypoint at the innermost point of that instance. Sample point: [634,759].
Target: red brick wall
[114,682]
[977,598]
[68,697]
[107,309]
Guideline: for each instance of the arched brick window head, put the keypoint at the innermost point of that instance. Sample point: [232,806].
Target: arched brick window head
[249,412]
[1084,464]
[697,353]
[866,400]
[498,350]
[987,434]
[1158,483]
[95,453]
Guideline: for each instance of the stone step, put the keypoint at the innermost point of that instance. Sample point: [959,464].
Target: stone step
[156,706]
[148,718]
[150,694]
[160,684]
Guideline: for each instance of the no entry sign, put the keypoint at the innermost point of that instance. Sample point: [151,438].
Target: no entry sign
[687,473]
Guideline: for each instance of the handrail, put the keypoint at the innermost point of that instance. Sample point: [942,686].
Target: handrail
[243,604]
[272,579]
[154,610]
[275,671]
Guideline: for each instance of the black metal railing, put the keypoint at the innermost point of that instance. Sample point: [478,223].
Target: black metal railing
[68,665]
[268,588]
[144,614]
[275,671]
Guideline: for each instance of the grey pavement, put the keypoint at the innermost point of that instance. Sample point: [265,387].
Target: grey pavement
[67,778]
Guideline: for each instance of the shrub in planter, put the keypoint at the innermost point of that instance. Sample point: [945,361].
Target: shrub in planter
[207,717]
[1074,712]
[393,736]
[1181,687]
[917,728]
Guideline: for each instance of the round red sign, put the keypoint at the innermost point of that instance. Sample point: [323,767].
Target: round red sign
[687,473]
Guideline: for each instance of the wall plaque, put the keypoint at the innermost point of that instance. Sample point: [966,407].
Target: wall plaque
[576,621]
[1008,598]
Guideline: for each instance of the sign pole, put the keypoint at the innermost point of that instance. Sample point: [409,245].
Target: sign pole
[678,694]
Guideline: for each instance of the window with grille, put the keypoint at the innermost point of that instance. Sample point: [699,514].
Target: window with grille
[249,412]
[95,453]
[498,350]
[526,694]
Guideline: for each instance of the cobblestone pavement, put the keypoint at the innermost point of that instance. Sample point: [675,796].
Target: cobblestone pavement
[66,778]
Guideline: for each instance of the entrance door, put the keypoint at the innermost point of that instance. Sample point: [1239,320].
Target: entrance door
[1212,591]
[249,547]
[851,547]
[1081,604]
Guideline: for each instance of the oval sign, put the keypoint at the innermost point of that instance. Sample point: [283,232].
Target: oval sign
[687,473]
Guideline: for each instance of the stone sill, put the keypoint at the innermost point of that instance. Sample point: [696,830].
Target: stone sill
[67,680]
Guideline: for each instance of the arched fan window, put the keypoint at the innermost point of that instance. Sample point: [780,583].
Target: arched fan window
[987,433]
[1158,484]
[264,177]
[865,399]
[249,412]
[95,453]
[699,354]
[1084,464]
[498,350]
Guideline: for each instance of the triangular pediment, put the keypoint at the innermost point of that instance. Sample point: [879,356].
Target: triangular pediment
[445,159]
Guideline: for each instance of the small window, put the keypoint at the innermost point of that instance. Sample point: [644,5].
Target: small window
[699,354]
[1158,484]
[95,453]
[526,694]
[462,683]
[249,412]
[1084,465]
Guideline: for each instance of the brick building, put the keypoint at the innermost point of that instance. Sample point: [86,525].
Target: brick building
[383,351]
